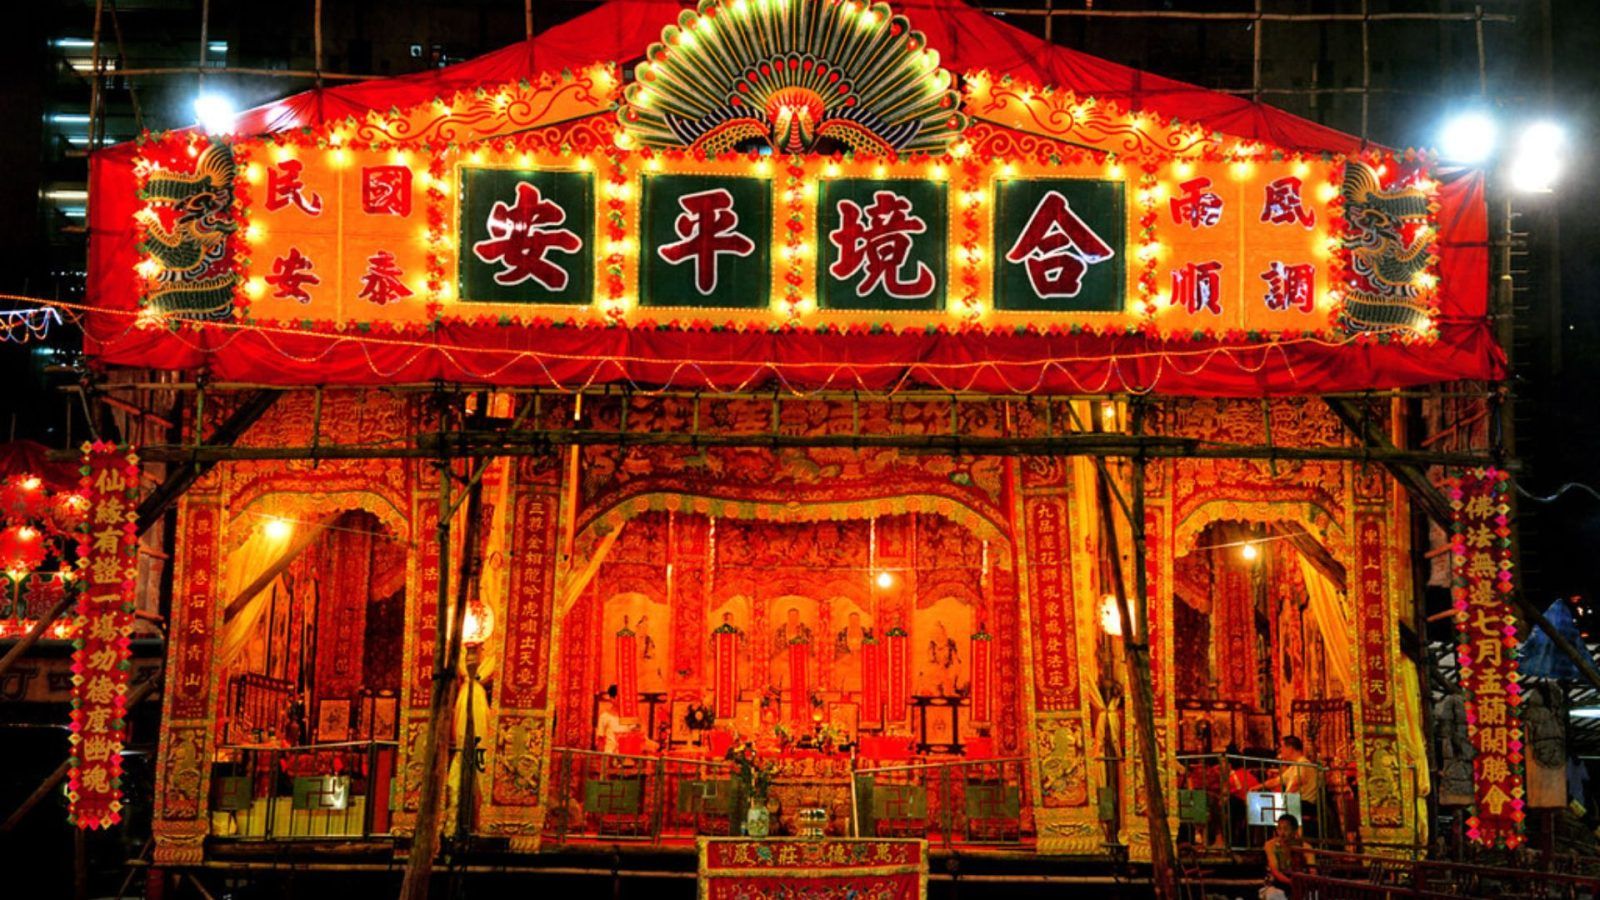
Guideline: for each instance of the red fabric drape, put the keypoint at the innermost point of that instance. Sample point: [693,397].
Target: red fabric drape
[968,40]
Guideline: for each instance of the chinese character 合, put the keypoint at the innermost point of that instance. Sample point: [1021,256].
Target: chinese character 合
[1283,206]
[386,190]
[707,228]
[1291,287]
[521,234]
[876,242]
[290,276]
[1198,205]
[1198,286]
[382,284]
[285,187]
[1057,248]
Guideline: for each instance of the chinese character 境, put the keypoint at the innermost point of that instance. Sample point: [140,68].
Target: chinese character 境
[876,241]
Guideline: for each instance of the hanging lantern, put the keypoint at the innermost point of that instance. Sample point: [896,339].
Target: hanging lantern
[22,498]
[22,549]
[68,510]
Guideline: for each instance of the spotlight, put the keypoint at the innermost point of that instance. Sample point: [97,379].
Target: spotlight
[1250,551]
[215,113]
[277,529]
[1468,138]
[885,580]
[1538,160]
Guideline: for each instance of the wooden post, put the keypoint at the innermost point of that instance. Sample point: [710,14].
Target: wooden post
[26,642]
[424,841]
[446,662]
[1136,656]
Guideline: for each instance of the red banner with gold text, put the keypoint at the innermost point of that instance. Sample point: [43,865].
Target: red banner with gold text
[1486,642]
[109,561]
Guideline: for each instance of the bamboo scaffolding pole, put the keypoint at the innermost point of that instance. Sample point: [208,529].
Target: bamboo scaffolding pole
[1135,618]
[26,642]
[480,445]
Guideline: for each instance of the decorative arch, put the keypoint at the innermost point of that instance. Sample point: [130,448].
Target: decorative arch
[311,507]
[603,526]
[1317,521]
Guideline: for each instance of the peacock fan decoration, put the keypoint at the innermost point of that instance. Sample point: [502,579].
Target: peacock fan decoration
[796,76]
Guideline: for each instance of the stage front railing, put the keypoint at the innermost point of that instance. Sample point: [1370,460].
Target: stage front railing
[949,802]
[614,796]
[317,791]
[1350,876]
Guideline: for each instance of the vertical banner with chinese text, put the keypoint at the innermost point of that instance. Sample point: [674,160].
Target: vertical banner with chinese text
[982,684]
[897,703]
[871,715]
[109,560]
[799,682]
[627,673]
[1486,641]
[725,650]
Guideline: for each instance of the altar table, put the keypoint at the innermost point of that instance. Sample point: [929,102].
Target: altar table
[826,869]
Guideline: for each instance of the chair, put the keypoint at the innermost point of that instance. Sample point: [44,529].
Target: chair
[630,743]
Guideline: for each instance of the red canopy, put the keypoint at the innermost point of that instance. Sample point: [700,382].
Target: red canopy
[967,40]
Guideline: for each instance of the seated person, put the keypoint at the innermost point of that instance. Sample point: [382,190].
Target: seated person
[1285,856]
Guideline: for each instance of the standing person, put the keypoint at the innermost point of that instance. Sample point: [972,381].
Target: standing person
[608,725]
[1285,856]
[1240,783]
[1301,777]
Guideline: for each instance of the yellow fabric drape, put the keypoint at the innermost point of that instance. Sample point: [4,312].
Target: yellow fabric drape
[258,553]
[1408,706]
[470,696]
[1329,610]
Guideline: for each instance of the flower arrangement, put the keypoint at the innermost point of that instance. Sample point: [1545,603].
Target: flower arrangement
[752,773]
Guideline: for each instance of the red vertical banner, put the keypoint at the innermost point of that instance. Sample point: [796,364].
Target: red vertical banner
[1054,631]
[108,557]
[1372,609]
[799,683]
[425,603]
[530,603]
[725,663]
[627,673]
[871,715]
[982,678]
[1486,651]
[898,679]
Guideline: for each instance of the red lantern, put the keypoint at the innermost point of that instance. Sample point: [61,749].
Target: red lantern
[22,497]
[68,510]
[22,549]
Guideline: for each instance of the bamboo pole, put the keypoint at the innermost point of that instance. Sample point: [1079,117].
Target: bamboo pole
[482,444]
[1136,658]
[26,642]
[424,842]
[135,697]
[446,660]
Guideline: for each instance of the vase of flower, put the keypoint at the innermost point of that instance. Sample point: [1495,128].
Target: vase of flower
[754,777]
[757,820]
